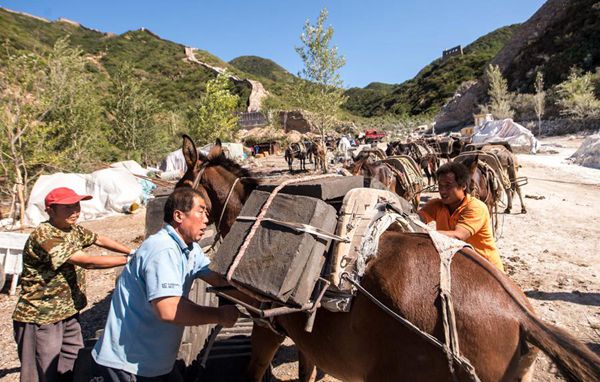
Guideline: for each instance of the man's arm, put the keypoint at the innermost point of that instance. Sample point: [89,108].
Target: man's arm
[459,233]
[108,243]
[83,260]
[217,280]
[181,311]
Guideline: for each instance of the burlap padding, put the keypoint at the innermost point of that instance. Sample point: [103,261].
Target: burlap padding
[407,165]
[358,212]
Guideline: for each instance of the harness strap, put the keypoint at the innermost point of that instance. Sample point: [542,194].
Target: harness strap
[218,223]
[299,227]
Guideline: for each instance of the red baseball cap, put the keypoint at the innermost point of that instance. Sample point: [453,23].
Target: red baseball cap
[64,195]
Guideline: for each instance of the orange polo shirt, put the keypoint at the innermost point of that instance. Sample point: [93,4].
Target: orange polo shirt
[472,215]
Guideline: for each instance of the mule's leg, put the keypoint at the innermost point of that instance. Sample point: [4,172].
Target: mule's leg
[509,198]
[264,346]
[523,209]
[307,371]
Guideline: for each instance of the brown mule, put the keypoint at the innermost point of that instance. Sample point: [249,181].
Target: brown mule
[510,164]
[494,319]
[319,151]
[482,181]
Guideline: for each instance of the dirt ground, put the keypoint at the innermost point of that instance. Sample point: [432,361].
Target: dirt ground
[552,252]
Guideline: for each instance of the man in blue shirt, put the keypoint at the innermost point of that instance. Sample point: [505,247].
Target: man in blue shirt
[149,307]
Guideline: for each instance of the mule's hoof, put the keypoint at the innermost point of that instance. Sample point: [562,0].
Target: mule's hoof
[507,211]
[523,211]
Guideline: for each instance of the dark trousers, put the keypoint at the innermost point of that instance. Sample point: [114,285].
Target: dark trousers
[108,374]
[48,352]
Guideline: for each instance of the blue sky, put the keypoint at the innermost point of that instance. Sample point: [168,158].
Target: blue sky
[382,40]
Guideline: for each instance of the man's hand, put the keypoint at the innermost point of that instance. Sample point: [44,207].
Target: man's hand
[228,315]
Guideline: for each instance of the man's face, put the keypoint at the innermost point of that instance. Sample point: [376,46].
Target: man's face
[63,216]
[192,223]
[450,192]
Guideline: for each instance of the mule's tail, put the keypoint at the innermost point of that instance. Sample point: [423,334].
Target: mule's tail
[575,360]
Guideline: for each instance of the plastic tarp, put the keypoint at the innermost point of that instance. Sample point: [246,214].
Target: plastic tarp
[234,151]
[519,138]
[588,154]
[132,166]
[175,162]
[113,190]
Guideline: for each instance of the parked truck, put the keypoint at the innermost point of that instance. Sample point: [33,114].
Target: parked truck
[372,136]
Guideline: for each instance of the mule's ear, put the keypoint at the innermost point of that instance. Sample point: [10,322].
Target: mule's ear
[216,151]
[190,154]
[473,164]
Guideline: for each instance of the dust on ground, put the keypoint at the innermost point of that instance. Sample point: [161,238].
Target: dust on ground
[552,252]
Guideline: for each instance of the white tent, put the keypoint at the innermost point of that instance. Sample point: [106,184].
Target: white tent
[113,190]
[520,138]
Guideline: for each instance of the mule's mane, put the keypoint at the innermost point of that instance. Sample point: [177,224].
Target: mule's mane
[229,165]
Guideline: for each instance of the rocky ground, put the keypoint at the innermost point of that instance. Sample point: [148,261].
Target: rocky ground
[552,252]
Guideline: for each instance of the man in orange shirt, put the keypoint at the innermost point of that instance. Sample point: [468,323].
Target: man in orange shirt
[459,215]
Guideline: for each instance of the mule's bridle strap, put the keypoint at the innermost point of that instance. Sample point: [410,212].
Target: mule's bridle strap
[199,175]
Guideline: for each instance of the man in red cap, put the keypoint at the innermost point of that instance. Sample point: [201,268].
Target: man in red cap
[46,318]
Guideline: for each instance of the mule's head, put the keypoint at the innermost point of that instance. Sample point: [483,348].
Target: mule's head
[195,162]
[477,183]
[214,176]
[197,165]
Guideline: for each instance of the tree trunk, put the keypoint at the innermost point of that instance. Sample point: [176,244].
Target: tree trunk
[20,195]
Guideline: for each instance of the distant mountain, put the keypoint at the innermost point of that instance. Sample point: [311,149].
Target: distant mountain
[427,92]
[262,67]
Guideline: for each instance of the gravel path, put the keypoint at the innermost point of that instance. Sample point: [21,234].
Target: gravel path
[553,252]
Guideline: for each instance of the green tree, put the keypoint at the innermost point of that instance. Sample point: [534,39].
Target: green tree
[75,120]
[500,98]
[48,114]
[539,99]
[134,117]
[215,116]
[576,96]
[21,113]
[320,88]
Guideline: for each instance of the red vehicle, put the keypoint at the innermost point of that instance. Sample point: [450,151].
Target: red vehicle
[374,136]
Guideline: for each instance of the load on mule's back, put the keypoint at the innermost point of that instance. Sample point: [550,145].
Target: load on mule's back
[403,275]
[296,150]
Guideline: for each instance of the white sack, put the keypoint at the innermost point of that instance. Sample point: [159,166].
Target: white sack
[111,189]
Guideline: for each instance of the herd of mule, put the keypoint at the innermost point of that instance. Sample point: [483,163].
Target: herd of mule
[499,332]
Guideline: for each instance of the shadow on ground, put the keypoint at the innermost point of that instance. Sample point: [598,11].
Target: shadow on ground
[94,318]
[591,299]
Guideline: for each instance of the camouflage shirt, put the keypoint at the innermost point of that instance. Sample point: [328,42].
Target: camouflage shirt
[51,288]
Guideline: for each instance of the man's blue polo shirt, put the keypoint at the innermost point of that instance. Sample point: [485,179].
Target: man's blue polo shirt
[134,338]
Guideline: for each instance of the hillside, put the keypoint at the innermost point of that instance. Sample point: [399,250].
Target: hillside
[571,40]
[161,63]
[427,92]
[561,35]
